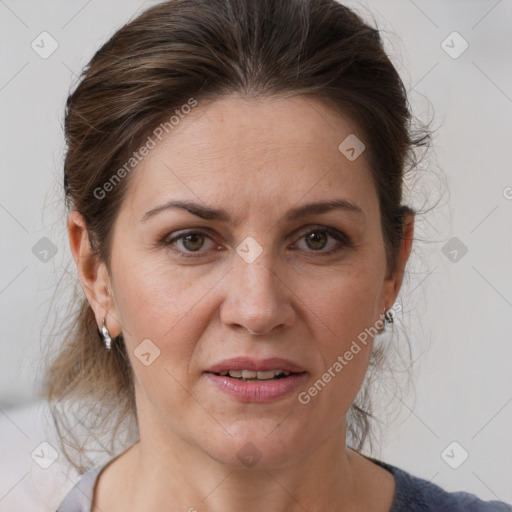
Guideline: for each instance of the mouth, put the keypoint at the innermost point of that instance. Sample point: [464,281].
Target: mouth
[249,380]
[255,376]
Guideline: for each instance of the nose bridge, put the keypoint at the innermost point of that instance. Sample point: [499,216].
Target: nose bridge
[259,277]
[256,297]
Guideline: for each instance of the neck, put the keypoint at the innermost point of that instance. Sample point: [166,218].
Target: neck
[173,475]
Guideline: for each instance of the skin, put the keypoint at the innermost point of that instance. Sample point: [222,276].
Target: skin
[256,159]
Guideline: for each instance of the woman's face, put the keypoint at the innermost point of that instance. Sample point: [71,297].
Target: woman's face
[246,269]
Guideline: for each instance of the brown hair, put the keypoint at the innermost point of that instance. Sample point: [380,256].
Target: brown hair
[206,49]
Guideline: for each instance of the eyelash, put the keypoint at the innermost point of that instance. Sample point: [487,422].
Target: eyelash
[340,237]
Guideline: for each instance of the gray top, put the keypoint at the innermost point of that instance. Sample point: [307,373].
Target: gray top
[412,494]
[79,498]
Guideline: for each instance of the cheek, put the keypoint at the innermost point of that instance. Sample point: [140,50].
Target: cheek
[157,301]
[343,347]
[344,303]
[342,315]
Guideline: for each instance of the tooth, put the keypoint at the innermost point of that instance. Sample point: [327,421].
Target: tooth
[269,374]
[252,375]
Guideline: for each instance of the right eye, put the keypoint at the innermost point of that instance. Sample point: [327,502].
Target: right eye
[191,242]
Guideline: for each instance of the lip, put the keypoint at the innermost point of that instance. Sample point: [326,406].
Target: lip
[264,391]
[255,365]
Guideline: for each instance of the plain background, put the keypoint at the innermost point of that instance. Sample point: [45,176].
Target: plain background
[457,314]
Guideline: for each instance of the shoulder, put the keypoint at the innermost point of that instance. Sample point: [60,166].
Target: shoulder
[414,494]
[79,498]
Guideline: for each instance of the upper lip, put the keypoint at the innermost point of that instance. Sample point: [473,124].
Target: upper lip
[255,365]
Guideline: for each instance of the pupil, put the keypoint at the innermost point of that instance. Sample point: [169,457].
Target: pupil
[194,239]
[316,238]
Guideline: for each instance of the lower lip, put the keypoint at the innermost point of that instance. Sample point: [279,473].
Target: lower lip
[264,391]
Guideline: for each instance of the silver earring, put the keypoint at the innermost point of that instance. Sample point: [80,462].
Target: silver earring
[107,339]
[388,316]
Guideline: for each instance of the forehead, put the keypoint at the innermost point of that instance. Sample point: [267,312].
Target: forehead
[249,152]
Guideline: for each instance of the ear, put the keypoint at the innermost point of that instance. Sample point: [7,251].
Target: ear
[393,283]
[93,275]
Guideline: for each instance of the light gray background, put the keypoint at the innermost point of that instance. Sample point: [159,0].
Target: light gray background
[458,314]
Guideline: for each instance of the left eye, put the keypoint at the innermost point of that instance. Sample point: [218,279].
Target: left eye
[317,238]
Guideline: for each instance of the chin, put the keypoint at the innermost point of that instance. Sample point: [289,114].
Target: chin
[260,446]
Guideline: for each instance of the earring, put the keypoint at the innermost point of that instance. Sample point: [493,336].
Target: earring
[107,339]
[388,316]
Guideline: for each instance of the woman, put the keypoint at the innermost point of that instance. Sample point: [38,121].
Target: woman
[234,174]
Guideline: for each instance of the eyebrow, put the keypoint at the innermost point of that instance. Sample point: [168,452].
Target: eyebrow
[210,213]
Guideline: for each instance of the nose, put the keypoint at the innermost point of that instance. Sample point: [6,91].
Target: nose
[257,298]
